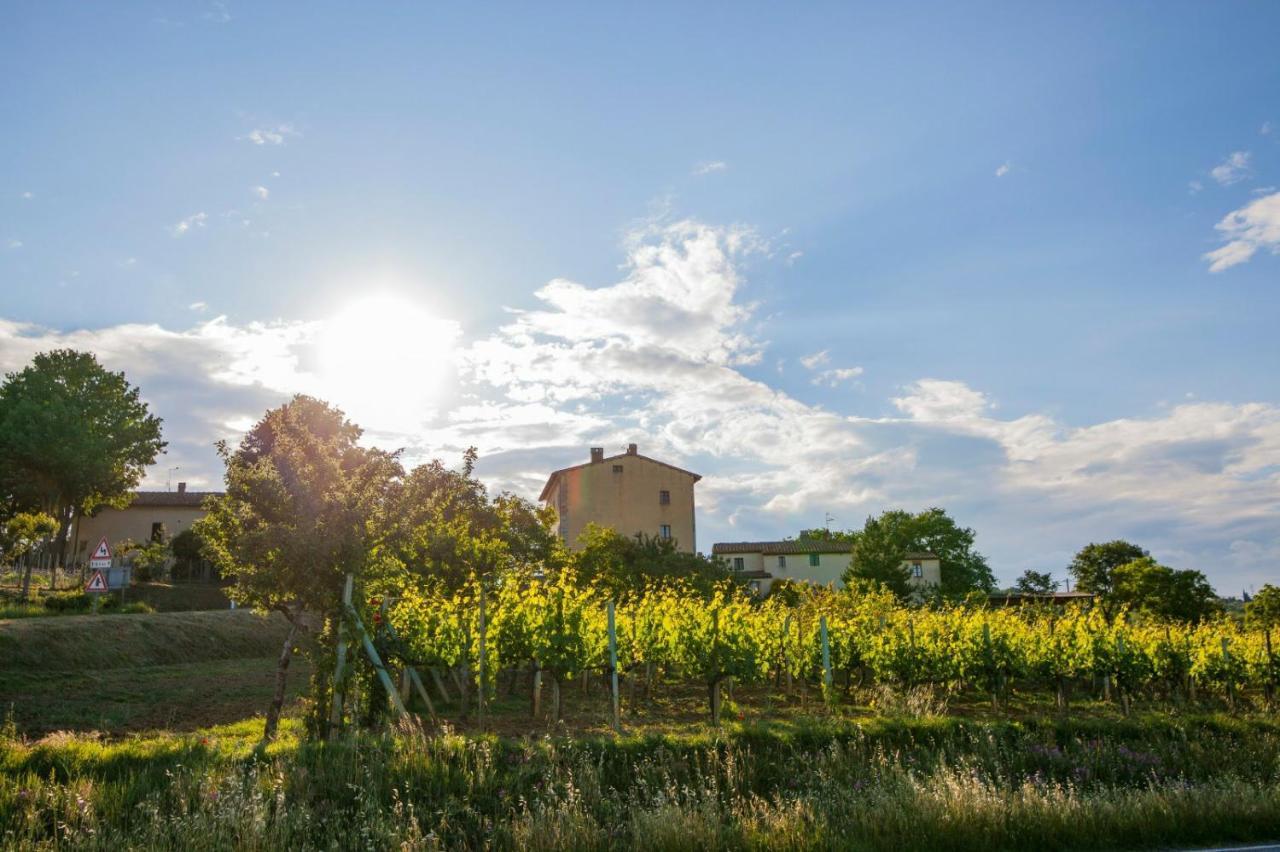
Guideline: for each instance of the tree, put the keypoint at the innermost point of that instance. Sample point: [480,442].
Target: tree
[305,505]
[150,559]
[824,534]
[446,529]
[73,436]
[626,564]
[1094,565]
[1147,586]
[188,552]
[1262,612]
[880,548]
[19,535]
[1035,583]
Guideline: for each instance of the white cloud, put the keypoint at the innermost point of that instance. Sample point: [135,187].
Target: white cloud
[14,244]
[1195,186]
[1004,169]
[812,362]
[262,192]
[217,13]
[657,357]
[28,195]
[709,167]
[198,306]
[1267,128]
[1233,169]
[838,376]
[1254,226]
[195,220]
[274,135]
[793,257]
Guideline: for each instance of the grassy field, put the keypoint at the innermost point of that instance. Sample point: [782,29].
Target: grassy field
[140,732]
[158,597]
[123,673]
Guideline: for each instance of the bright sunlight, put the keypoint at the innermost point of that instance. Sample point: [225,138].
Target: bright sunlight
[385,361]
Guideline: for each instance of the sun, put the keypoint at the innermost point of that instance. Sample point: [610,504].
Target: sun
[384,360]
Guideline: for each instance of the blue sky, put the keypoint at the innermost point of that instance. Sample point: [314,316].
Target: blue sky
[1016,261]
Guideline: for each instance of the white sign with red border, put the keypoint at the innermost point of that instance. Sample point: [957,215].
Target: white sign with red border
[97,584]
[101,556]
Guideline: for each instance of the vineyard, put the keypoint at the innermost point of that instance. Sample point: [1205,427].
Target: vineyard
[555,632]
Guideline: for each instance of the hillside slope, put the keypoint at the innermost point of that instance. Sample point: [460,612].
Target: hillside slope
[92,643]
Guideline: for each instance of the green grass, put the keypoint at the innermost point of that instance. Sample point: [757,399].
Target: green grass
[123,673]
[886,784]
[95,642]
[131,732]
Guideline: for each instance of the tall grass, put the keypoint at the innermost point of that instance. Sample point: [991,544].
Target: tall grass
[891,784]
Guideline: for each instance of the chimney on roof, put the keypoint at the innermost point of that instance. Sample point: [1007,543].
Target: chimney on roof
[182,488]
[631,449]
[597,455]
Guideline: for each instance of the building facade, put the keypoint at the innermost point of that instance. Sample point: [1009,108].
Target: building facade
[817,561]
[629,492]
[151,514]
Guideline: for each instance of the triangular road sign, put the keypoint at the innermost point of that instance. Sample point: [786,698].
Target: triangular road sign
[103,551]
[97,583]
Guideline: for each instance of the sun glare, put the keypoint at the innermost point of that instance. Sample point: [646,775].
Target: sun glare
[385,360]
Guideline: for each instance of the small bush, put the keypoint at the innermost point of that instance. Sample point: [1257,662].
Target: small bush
[68,602]
[82,602]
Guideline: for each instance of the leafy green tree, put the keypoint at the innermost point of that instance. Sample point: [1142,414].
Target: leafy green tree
[1035,583]
[149,560]
[73,436]
[20,534]
[626,564]
[305,505]
[824,534]
[1263,611]
[1094,565]
[1146,585]
[881,546]
[188,552]
[446,529]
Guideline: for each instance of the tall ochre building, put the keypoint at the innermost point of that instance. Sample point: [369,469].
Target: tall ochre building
[629,492]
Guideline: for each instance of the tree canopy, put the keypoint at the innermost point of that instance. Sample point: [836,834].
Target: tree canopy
[446,529]
[624,564]
[1147,586]
[73,436]
[1094,565]
[1263,610]
[1035,583]
[879,549]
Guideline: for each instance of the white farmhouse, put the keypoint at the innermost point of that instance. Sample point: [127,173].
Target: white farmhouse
[810,560]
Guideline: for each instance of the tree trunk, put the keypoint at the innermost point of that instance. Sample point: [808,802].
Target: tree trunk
[535,709]
[60,554]
[714,690]
[282,674]
[555,698]
[26,576]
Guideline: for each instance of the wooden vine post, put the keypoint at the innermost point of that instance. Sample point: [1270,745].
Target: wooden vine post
[1231,681]
[826,659]
[613,671]
[481,696]
[339,667]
